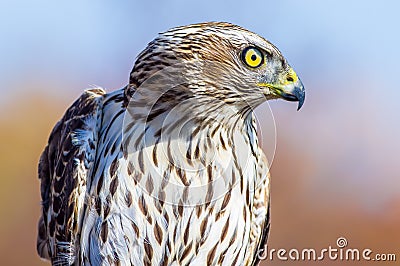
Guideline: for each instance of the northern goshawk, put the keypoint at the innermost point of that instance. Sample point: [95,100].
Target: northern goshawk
[167,170]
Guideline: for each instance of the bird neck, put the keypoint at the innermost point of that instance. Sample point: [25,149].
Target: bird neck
[179,106]
[180,117]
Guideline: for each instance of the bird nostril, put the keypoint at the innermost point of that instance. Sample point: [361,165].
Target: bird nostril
[290,79]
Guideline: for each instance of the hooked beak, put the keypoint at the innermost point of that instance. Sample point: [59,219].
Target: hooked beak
[291,89]
[293,92]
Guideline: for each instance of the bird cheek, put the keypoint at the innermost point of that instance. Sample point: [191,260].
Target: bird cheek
[269,75]
[267,78]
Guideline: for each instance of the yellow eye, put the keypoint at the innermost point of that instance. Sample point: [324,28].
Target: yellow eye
[252,57]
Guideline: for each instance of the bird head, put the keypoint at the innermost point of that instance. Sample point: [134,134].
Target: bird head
[218,61]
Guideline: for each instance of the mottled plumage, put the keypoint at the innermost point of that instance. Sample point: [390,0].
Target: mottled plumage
[168,170]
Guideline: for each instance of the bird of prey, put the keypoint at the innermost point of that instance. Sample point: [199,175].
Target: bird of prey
[168,169]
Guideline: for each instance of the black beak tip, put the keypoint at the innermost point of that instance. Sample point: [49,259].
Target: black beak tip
[300,95]
[301,101]
[297,96]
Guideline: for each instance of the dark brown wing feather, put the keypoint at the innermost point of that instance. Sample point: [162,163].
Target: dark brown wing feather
[64,168]
[263,242]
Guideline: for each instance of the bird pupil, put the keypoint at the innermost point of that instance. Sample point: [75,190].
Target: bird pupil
[253,57]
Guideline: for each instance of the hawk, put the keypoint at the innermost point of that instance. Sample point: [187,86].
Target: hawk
[168,169]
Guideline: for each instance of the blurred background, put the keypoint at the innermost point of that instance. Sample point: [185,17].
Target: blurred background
[336,170]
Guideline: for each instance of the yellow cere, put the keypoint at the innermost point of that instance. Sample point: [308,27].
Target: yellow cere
[291,77]
[252,57]
[286,79]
